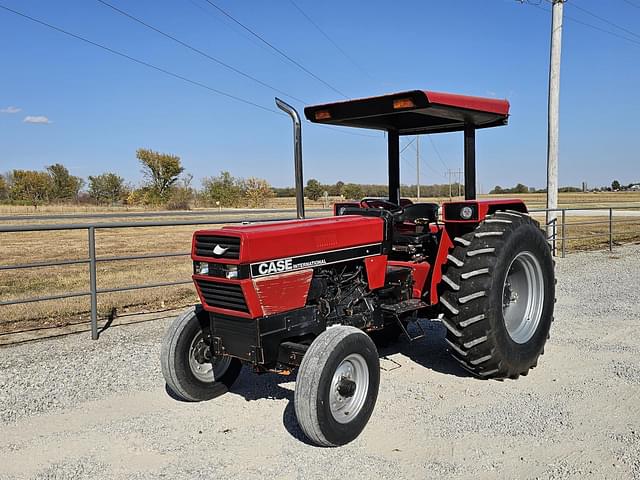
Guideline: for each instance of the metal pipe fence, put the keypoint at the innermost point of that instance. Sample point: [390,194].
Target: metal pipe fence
[561,234]
[92,259]
[561,228]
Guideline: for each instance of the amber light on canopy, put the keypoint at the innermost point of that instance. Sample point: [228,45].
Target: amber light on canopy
[403,103]
[323,115]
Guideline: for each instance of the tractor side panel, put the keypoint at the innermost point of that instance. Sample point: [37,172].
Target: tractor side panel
[281,293]
[376,268]
[420,274]
[446,244]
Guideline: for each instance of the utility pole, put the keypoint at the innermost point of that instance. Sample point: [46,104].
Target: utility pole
[418,164]
[458,173]
[554,114]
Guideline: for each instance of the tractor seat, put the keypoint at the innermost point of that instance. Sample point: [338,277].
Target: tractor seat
[411,238]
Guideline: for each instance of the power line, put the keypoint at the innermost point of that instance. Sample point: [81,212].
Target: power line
[140,62]
[408,145]
[346,131]
[428,165]
[631,3]
[200,52]
[167,72]
[207,11]
[586,24]
[603,30]
[276,49]
[602,19]
[433,144]
[334,43]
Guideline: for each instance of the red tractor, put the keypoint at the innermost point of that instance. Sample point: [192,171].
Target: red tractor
[314,294]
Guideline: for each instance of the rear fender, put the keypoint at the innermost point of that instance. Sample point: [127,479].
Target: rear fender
[479,208]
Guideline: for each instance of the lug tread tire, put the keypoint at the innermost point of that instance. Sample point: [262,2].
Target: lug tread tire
[476,334]
[175,368]
[313,373]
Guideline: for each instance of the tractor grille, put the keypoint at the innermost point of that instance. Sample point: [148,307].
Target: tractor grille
[206,243]
[223,295]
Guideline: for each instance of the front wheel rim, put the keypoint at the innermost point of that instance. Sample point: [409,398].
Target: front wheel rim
[349,388]
[523,297]
[205,367]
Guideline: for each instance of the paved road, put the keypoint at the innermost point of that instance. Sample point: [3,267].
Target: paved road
[175,213]
[75,409]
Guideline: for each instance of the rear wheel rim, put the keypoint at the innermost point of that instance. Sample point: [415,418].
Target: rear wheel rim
[523,297]
[205,367]
[349,388]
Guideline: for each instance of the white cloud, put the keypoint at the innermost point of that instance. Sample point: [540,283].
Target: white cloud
[10,109]
[40,119]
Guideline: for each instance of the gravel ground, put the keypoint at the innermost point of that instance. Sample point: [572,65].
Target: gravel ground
[74,409]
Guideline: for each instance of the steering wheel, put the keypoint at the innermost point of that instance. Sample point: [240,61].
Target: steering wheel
[381,204]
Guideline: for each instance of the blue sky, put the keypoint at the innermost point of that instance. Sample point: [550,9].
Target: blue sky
[101,107]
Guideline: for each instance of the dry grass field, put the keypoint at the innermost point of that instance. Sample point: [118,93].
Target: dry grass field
[534,200]
[584,231]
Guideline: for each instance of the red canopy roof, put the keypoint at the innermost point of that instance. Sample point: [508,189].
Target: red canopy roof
[413,112]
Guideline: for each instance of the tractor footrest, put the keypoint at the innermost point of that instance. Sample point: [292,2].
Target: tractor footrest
[403,307]
[406,306]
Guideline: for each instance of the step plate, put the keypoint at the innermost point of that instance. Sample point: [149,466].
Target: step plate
[403,307]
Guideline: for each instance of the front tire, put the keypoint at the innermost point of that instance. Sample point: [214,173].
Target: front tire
[337,386]
[188,367]
[498,295]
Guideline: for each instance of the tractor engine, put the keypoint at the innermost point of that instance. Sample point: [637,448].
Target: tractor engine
[342,292]
[342,295]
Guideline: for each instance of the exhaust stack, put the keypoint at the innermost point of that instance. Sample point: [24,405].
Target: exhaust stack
[297,154]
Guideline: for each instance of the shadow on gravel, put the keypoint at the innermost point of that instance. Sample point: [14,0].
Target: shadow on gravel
[251,386]
[430,351]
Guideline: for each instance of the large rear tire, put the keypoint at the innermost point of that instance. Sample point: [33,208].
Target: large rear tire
[498,295]
[188,367]
[337,386]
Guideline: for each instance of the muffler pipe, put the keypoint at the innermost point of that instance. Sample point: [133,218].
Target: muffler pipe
[297,153]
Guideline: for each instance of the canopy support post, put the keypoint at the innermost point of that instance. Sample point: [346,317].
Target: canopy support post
[469,162]
[394,166]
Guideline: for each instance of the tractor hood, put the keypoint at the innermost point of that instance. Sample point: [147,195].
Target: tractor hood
[243,244]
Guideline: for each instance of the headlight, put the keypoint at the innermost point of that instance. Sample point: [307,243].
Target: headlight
[466,213]
[201,268]
[232,271]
